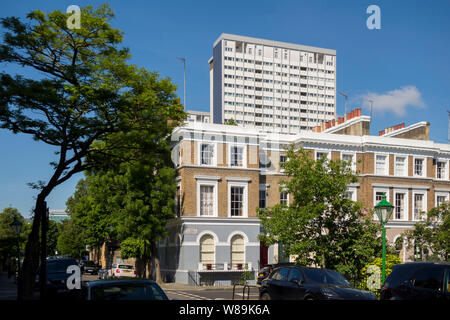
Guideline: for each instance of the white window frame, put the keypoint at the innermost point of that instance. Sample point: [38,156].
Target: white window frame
[208,182]
[279,161]
[231,250]
[200,246]
[199,154]
[406,201]
[379,189]
[284,190]
[354,191]
[386,165]
[244,155]
[445,168]
[424,167]
[328,152]
[239,184]
[405,168]
[424,202]
[353,154]
[440,194]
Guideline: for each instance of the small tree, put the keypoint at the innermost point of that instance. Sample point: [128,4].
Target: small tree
[231,122]
[430,238]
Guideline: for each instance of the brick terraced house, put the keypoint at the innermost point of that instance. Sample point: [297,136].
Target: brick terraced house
[226,172]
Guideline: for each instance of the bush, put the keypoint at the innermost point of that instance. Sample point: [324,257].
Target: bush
[391,260]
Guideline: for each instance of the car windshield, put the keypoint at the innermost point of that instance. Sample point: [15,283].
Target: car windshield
[124,266]
[89,263]
[328,277]
[128,292]
[58,266]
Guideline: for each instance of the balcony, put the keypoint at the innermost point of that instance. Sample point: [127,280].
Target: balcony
[224,267]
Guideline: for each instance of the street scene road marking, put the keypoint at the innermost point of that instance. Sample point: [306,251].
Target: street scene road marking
[189,295]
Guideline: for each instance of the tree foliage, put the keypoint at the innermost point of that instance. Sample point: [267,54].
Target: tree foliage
[431,237]
[8,239]
[321,225]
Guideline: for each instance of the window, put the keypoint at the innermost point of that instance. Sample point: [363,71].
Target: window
[440,199]
[419,168]
[283,159]
[380,165]
[262,197]
[295,274]
[237,201]
[237,252]
[206,154]
[400,166]
[418,205]
[349,158]
[284,198]
[280,274]
[178,201]
[237,156]
[400,204]
[441,169]
[206,200]
[350,193]
[379,196]
[207,249]
[429,278]
[321,155]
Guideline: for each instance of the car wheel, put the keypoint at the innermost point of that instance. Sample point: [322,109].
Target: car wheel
[265,296]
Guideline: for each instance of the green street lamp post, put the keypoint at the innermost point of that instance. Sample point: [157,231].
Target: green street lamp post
[16,225]
[383,210]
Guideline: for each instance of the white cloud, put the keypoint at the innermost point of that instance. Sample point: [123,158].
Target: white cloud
[397,100]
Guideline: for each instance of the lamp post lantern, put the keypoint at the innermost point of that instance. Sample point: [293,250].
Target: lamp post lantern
[383,210]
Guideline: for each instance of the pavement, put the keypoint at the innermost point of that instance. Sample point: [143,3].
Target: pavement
[8,287]
[185,287]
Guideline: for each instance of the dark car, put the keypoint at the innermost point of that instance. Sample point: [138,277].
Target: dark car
[124,290]
[90,267]
[57,275]
[302,283]
[418,281]
[267,269]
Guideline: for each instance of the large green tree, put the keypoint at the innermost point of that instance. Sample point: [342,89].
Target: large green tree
[321,225]
[70,241]
[86,91]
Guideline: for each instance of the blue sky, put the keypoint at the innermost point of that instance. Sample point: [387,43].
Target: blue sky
[405,65]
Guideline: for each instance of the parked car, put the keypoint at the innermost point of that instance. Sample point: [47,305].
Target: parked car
[122,270]
[418,281]
[268,268]
[57,276]
[301,283]
[90,267]
[124,290]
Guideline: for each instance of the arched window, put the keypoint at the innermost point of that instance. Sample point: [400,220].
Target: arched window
[207,250]
[237,252]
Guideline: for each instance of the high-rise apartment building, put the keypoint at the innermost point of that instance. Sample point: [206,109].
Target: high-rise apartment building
[271,85]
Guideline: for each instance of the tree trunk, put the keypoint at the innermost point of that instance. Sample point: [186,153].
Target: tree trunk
[43,270]
[31,257]
[155,264]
